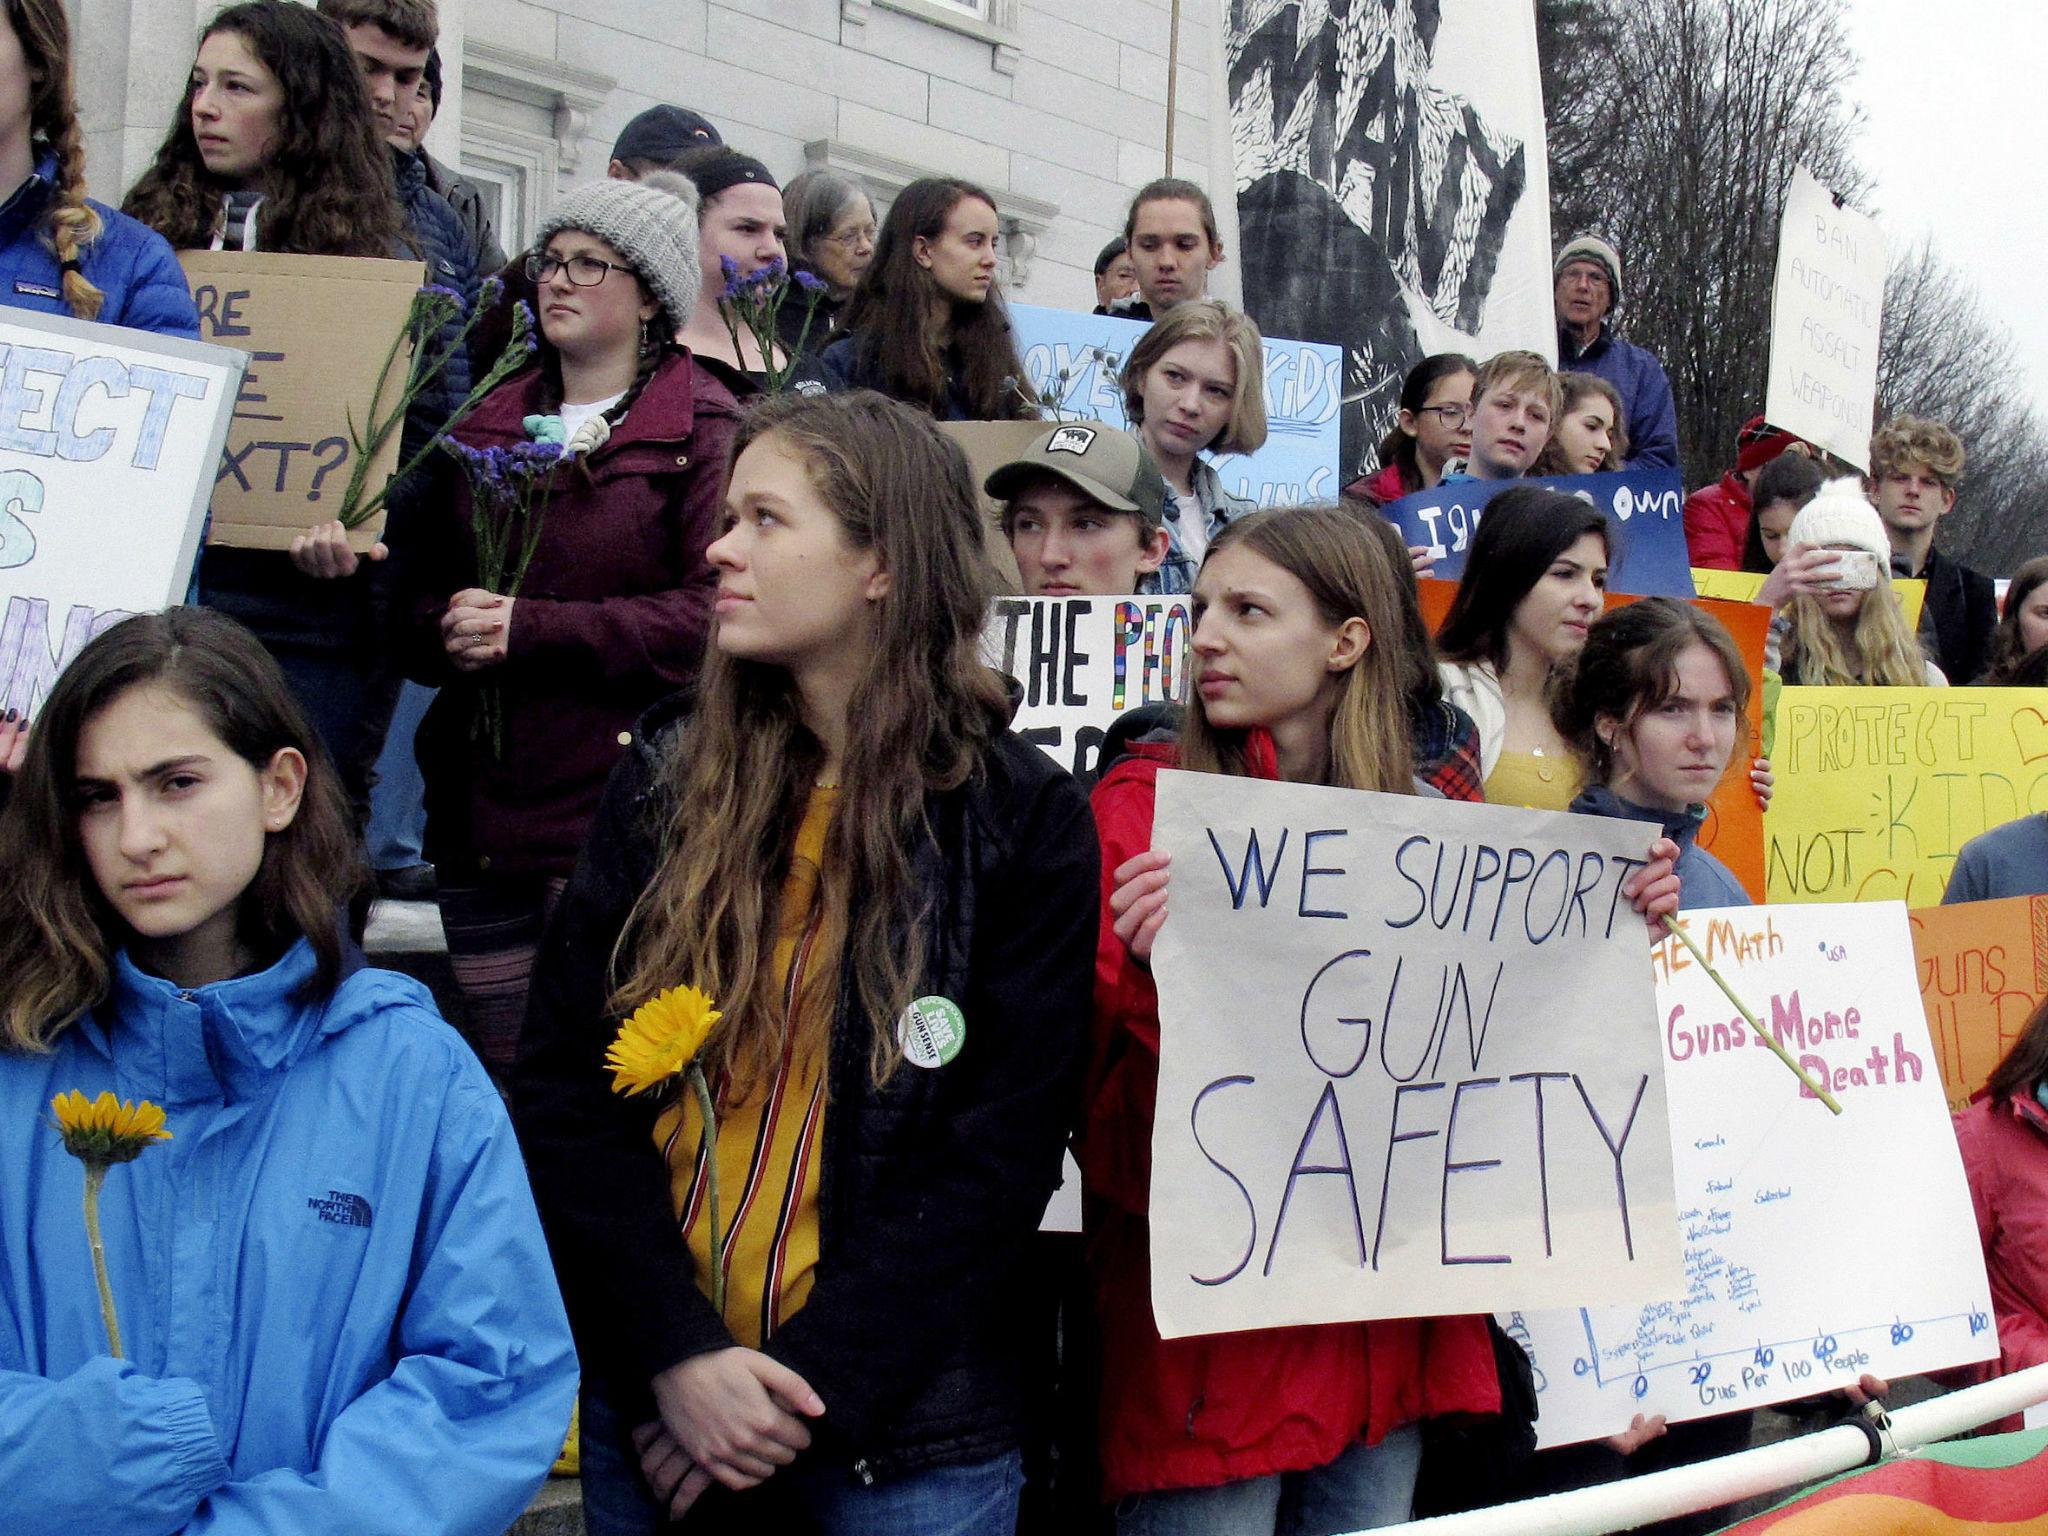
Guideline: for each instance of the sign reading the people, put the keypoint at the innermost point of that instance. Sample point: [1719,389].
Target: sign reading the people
[1879,788]
[1083,661]
[108,442]
[1074,362]
[319,332]
[1644,508]
[1825,308]
[1409,1061]
[1776,1195]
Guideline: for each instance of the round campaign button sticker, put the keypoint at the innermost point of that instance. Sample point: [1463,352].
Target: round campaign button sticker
[932,1031]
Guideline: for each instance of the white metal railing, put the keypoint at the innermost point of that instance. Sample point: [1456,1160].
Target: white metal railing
[1637,1501]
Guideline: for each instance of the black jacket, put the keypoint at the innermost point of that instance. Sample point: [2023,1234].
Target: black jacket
[930,1188]
[1957,622]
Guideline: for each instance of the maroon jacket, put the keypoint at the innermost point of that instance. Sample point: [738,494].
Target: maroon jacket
[612,616]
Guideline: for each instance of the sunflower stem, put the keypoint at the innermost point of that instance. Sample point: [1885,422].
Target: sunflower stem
[710,1113]
[95,1176]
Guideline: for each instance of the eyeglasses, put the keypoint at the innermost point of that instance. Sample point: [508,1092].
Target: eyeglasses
[1452,415]
[583,271]
[865,235]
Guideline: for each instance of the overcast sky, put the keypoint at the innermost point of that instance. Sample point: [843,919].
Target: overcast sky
[1955,100]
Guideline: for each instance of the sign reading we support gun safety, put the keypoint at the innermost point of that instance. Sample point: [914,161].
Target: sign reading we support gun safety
[108,442]
[1825,308]
[1879,788]
[1777,1196]
[1083,661]
[1409,1061]
[320,332]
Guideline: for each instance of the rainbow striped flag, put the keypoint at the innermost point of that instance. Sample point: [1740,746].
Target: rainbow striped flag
[1993,1486]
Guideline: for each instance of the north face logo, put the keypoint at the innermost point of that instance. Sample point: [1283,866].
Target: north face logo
[341,1208]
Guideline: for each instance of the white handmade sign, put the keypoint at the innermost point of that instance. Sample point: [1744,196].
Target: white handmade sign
[1795,1280]
[1409,1060]
[1083,661]
[1825,308]
[109,440]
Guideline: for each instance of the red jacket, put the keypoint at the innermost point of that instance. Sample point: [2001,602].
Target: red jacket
[611,618]
[1381,487]
[2005,1156]
[1717,523]
[1191,1413]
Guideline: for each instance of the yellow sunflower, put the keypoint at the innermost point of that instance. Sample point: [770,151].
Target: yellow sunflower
[662,1037]
[106,1129]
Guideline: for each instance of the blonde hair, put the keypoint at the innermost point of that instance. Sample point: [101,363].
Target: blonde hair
[1207,320]
[45,35]
[1880,651]
[1908,440]
[1350,574]
[1519,371]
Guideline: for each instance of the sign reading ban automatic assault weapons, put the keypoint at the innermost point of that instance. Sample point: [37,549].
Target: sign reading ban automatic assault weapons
[1410,1062]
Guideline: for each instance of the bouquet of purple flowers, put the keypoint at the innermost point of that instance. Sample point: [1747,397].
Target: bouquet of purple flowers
[509,490]
[433,307]
[754,300]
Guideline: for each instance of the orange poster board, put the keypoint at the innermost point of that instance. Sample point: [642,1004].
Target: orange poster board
[1983,966]
[1734,830]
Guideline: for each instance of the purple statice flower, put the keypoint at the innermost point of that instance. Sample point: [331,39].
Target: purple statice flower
[525,327]
[810,282]
[490,291]
[731,269]
[437,293]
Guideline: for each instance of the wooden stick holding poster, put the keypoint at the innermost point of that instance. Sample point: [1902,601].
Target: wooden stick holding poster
[1983,967]
[1879,788]
[109,438]
[1825,308]
[318,331]
[1409,1061]
[1780,1201]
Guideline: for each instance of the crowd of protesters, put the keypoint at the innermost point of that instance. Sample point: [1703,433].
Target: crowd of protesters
[742,738]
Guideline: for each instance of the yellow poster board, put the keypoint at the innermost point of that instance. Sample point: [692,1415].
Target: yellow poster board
[1742,587]
[1879,788]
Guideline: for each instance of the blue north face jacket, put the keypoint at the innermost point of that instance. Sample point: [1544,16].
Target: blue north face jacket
[332,1288]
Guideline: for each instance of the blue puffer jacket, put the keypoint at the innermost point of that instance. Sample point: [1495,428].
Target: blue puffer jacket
[1644,388]
[1703,880]
[451,262]
[130,263]
[335,1299]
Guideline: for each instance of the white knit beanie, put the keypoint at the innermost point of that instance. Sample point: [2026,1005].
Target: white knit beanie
[651,223]
[1841,515]
[1590,247]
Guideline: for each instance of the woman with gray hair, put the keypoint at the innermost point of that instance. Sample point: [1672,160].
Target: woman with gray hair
[832,232]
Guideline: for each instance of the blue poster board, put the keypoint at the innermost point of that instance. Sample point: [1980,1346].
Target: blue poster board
[1073,360]
[1645,509]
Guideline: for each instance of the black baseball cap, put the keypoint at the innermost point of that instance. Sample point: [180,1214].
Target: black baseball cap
[662,133]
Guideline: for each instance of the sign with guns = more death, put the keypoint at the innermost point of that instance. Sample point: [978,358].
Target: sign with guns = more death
[1796,1281]
[1409,1060]
[108,442]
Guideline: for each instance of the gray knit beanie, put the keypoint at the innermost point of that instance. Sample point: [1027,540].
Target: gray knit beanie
[1590,247]
[651,223]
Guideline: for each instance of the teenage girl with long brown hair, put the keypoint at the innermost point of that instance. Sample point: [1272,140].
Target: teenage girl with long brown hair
[891,899]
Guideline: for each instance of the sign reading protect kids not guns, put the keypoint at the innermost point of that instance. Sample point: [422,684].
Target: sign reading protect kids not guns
[1083,661]
[1779,1201]
[318,331]
[108,441]
[1073,361]
[1879,788]
[1409,1061]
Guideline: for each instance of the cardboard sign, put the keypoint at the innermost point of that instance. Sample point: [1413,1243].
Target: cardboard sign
[1825,307]
[1786,1210]
[1734,829]
[1074,361]
[1083,661]
[108,442]
[1879,788]
[1983,968]
[1644,507]
[1743,586]
[1409,1061]
[318,331]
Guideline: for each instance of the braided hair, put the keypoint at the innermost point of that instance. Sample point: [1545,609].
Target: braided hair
[45,36]
[655,345]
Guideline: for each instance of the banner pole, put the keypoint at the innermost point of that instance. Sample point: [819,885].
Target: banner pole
[1767,1469]
[1172,80]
